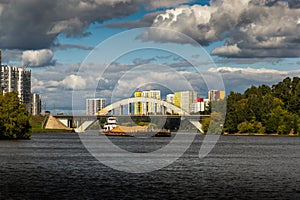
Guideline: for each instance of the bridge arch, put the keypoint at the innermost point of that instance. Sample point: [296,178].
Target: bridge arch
[128,101]
[168,105]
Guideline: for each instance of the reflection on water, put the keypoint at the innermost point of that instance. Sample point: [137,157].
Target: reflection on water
[57,166]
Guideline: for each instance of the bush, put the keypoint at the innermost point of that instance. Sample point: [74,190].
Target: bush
[251,127]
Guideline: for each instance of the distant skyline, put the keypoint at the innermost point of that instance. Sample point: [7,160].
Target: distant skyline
[251,42]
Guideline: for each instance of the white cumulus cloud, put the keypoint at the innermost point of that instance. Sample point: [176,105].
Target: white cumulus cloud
[250,28]
[37,58]
[74,82]
[227,50]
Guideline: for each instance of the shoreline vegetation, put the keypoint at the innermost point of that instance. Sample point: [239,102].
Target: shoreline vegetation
[260,110]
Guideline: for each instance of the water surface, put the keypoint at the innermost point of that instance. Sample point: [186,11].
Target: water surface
[57,166]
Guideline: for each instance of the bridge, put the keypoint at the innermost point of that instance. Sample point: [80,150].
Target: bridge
[84,122]
[128,102]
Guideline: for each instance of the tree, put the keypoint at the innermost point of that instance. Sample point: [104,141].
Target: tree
[279,121]
[294,105]
[14,118]
[233,115]
[264,109]
[251,127]
[213,124]
[205,124]
[295,124]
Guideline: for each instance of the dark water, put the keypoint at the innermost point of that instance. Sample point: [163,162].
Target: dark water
[57,166]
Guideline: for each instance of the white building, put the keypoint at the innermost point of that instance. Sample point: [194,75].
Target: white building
[151,108]
[36,104]
[94,105]
[15,79]
[200,105]
[18,79]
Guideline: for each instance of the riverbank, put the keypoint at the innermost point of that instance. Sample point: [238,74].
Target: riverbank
[261,134]
[37,126]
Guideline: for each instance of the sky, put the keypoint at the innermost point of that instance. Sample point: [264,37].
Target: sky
[78,49]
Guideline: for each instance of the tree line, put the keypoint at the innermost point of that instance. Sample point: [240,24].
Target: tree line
[14,117]
[265,109]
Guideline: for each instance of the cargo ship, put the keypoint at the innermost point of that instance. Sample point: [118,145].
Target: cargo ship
[111,128]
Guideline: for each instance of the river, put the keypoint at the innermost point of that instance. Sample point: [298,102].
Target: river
[58,166]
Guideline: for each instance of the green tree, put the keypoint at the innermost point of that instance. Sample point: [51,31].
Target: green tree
[251,127]
[295,124]
[234,113]
[279,121]
[213,124]
[14,118]
[294,104]
[205,124]
[273,110]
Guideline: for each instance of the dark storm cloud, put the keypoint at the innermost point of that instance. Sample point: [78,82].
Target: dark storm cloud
[264,2]
[294,4]
[35,24]
[291,3]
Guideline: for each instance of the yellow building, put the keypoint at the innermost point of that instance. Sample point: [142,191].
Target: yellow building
[222,94]
[177,99]
[144,108]
[138,107]
[185,100]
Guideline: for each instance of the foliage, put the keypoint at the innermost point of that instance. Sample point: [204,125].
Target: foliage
[213,124]
[143,123]
[14,118]
[205,124]
[172,123]
[279,121]
[264,109]
[251,127]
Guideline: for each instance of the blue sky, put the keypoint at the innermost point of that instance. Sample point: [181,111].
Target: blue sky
[246,42]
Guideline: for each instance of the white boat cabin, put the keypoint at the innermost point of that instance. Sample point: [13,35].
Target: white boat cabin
[110,124]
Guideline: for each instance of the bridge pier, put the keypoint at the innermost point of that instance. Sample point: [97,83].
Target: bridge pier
[130,109]
[121,109]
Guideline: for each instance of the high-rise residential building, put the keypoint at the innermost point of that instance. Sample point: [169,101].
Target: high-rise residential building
[151,108]
[144,108]
[94,105]
[16,79]
[216,95]
[36,104]
[185,100]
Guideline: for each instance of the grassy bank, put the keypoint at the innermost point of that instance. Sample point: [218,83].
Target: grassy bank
[37,125]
